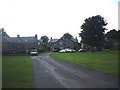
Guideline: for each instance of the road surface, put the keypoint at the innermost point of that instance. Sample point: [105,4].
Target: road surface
[52,73]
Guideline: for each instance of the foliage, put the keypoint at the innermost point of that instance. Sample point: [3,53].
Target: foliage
[112,37]
[44,39]
[118,35]
[17,72]
[93,31]
[106,62]
[44,45]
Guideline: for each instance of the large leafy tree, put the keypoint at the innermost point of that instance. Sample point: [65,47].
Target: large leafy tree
[93,31]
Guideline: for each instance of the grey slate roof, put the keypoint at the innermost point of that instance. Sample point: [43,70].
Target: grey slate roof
[74,40]
[53,40]
[5,37]
[24,39]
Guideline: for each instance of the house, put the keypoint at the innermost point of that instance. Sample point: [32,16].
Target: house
[62,43]
[22,44]
[53,46]
[17,44]
[6,42]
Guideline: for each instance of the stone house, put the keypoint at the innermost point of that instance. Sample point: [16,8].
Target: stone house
[22,44]
[6,43]
[62,43]
[18,44]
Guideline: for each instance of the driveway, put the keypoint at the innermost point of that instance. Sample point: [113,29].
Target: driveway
[53,73]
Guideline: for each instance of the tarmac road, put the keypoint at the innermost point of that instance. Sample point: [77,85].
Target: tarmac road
[52,73]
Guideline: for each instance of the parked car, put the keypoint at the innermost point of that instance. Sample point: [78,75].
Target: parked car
[81,50]
[33,52]
[70,50]
[73,50]
[67,50]
[63,50]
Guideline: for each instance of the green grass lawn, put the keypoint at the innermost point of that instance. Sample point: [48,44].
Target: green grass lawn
[17,72]
[106,62]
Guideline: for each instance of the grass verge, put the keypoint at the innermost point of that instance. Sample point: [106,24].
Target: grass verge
[106,62]
[17,72]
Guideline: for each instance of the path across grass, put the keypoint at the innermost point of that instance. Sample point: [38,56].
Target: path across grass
[106,62]
[17,72]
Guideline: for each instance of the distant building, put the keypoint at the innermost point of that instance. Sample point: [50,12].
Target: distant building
[6,42]
[22,44]
[17,44]
[62,43]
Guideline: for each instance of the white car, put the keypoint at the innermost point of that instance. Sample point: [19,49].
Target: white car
[73,50]
[63,50]
[33,52]
[81,50]
[67,50]
[70,50]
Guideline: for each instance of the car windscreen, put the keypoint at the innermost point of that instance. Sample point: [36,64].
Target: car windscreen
[33,50]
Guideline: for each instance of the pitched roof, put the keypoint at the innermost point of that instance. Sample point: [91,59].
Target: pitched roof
[53,40]
[56,40]
[24,39]
[74,40]
[5,37]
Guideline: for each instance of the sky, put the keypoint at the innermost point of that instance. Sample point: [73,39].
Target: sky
[54,18]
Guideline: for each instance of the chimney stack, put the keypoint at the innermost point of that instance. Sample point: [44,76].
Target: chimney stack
[18,35]
[36,36]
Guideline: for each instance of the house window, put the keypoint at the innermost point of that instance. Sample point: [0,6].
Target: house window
[61,43]
[25,40]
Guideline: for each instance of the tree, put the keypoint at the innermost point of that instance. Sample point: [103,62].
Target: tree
[44,39]
[93,33]
[112,37]
[119,35]
[44,45]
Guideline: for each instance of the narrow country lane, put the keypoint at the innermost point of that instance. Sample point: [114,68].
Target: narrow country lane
[52,73]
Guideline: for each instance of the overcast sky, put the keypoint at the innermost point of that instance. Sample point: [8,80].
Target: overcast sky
[53,17]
